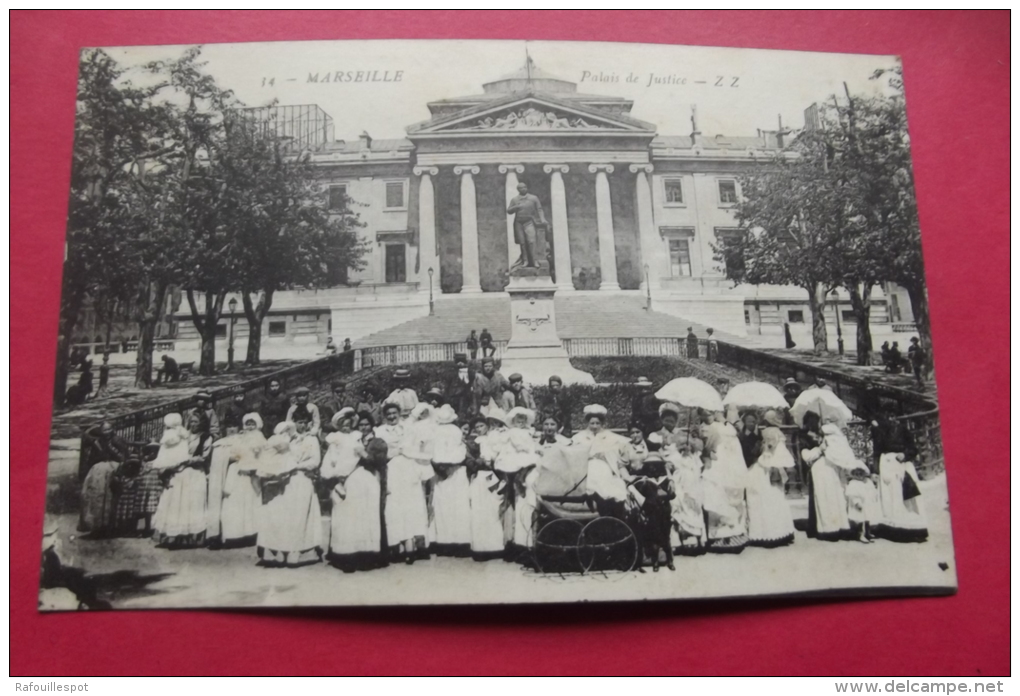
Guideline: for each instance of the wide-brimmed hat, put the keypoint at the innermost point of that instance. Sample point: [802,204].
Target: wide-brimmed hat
[595,410]
[445,415]
[772,417]
[528,414]
[204,395]
[669,407]
[460,357]
[301,391]
[420,411]
[436,391]
[790,382]
[643,382]
[494,412]
[255,417]
[401,374]
[345,412]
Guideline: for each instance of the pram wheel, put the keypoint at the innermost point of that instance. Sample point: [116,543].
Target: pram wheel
[556,547]
[607,543]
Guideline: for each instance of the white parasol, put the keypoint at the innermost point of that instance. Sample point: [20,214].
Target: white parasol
[691,392]
[754,395]
[823,402]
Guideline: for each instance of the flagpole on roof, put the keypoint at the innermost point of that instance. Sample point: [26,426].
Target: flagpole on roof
[527,64]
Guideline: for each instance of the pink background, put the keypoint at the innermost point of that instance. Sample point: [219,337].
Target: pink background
[957,80]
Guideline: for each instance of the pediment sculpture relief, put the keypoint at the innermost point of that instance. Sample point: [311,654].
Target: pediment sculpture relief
[533,119]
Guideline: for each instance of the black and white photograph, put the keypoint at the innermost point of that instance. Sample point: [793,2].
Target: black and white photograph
[490,322]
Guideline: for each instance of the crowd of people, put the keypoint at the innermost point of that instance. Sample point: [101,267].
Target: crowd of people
[452,471]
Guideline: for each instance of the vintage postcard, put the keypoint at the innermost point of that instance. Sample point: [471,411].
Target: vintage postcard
[443,322]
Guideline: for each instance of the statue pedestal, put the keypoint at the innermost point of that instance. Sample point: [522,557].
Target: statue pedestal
[534,349]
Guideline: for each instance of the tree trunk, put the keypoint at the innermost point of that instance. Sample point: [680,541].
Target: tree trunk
[819,333]
[919,305]
[69,312]
[205,323]
[151,316]
[255,314]
[860,300]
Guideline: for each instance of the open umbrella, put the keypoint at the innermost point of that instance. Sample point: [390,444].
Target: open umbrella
[823,402]
[691,392]
[754,395]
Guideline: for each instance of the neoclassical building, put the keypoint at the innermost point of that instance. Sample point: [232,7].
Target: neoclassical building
[631,211]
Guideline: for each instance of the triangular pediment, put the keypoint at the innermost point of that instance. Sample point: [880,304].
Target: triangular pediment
[530,114]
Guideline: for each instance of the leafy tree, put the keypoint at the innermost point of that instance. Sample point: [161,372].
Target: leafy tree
[117,129]
[790,210]
[286,236]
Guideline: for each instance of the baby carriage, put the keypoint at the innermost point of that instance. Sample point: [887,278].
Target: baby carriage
[575,532]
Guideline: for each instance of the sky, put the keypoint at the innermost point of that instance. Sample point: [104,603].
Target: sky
[737,91]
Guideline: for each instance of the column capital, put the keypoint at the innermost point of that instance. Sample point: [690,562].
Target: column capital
[507,168]
[421,171]
[466,169]
[561,168]
[596,168]
[637,168]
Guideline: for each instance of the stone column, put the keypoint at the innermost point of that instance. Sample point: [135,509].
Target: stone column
[468,229]
[651,246]
[511,171]
[427,257]
[604,219]
[561,233]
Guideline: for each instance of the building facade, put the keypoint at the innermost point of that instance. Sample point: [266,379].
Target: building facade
[630,211]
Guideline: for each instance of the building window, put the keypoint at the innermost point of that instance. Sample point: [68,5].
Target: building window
[338,196]
[894,308]
[395,195]
[674,191]
[221,331]
[727,192]
[278,328]
[679,258]
[728,242]
[795,316]
[396,263]
[747,316]
[848,315]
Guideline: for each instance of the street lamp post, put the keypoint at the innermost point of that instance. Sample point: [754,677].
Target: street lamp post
[839,324]
[648,291]
[232,304]
[432,304]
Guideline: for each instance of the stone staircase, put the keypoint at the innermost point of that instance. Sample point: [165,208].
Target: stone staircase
[579,315]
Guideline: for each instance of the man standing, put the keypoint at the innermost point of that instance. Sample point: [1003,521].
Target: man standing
[558,404]
[527,212]
[489,384]
[917,358]
[304,410]
[233,417]
[472,344]
[462,387]
[713,346]
[644,407]
[204,407]
[517,395]
[692,343]
[486,340]
[274,407]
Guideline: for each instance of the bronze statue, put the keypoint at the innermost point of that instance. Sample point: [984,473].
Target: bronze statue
[528,216]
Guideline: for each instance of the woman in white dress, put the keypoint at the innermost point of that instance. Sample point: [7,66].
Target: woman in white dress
[290,527]
[391,430]
[689,533]
[487,541]
[222,449]
[827,504]
[242,497]
[180,518]
[903,517]
[451,498]
[724,480]
[355,541]
[406,513]
[769,520]
[607,475]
